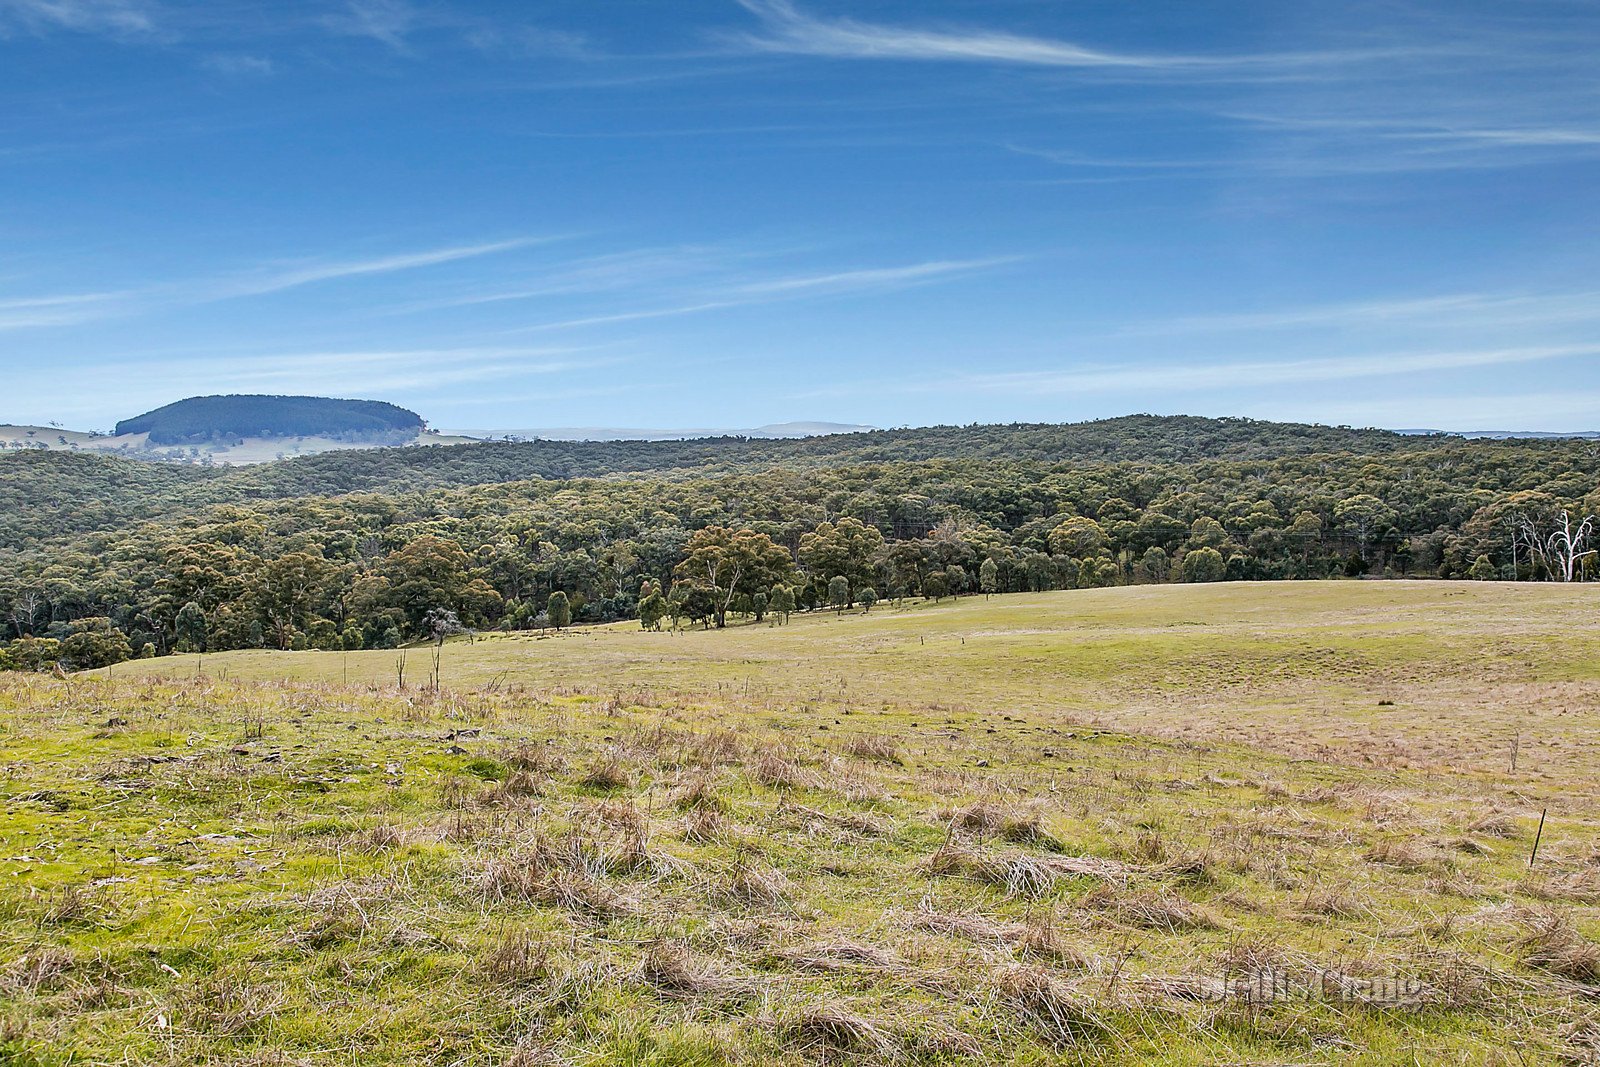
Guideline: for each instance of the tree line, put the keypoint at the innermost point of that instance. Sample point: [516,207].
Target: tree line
[370,570]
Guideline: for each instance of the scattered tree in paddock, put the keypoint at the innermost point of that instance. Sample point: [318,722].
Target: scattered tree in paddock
[725,564]
[559,610]
[1204,565]
[191,628]
[839,593]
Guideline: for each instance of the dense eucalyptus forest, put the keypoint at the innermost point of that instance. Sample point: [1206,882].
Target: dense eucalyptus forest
[106,558]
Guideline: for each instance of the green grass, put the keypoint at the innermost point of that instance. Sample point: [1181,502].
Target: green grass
[1298,668]
[1057,842]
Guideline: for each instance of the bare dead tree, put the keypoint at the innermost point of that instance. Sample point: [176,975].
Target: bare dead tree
[1561,548]
[24,610]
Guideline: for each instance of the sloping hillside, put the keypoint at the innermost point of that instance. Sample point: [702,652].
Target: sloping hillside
[69,494]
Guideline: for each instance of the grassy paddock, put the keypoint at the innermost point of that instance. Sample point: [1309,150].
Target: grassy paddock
[624,848]
[1401,675]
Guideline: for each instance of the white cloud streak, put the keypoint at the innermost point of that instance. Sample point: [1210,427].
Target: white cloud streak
[295,277]
[62,310]
[1563,412]
[1198,376]
[610,272]
[1144,379]
[327,372]
[385,21]
[423,374]
[1475,311]
[789,30]
[873,278]
[745,294]
[73,309]
[1420,97]
[120,18]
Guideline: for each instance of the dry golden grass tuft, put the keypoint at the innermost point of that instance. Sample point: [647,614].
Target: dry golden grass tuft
[698,792]
[335,916]
[673,971]
[1401,853]
[874,747]
[1494,824]
[227,1004]
[704,825]
[34,970]
[714,748]
[1018,823]
[828,1028]
[748,882]
[1049,1005]
[1579,885]
[778,770]
[383,837]
[1548,941]
[1331,903]
[544,759]
[843,955]
[1038,935]
[1153,910]
[608,774]
[570,874]
[1021,874]
[1201,988]
[517,958]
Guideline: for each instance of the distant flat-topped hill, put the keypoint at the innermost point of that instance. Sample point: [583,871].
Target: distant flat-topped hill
[210,418]
[227,431]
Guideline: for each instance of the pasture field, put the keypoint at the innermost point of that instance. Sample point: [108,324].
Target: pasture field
[1442,675]
[1224,825]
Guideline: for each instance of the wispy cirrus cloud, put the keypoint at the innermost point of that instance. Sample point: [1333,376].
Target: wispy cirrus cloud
[787,29]
[1567,411]
[691,279]
[733,293]
[1196,376]
[1079,158]
[1475,311]
[295,276]
[343,371]
[239,65]
[324,371]
[122,18]
[240,44]
[389,22]
[60,310]
[392,369]
[1144,378]
[641,269]
[875,277]
[1388,132]
[75,308]
[1405,95]
[399,25]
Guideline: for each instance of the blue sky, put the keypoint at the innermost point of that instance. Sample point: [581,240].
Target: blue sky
[734,212]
